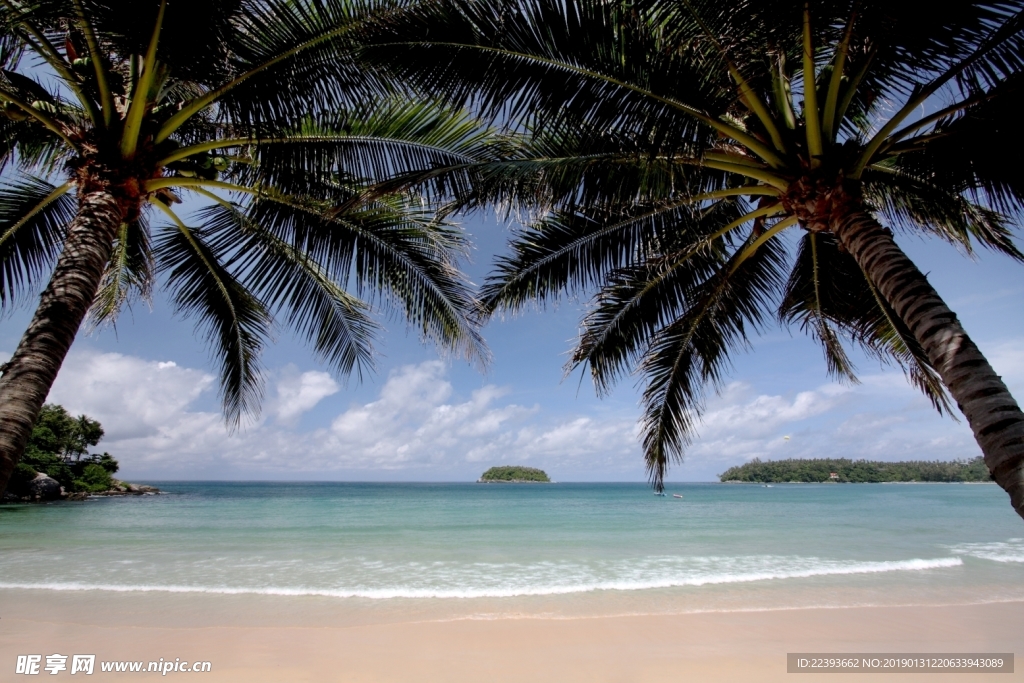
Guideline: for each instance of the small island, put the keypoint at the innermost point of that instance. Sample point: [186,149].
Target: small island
[844,471]
[514,474]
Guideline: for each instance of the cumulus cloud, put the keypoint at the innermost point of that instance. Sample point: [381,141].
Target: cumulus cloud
[133,398]
[415,422]
[151,410]
[162,420]
[737,412]
[883,418]
[299,393]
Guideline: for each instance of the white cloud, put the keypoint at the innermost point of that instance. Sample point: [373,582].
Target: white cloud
[162,420]
[299,393]
[735,412]
[133,398]
[413,422]
[150,411]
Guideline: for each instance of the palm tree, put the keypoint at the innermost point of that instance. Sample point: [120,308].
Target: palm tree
[679,144]
[114,110]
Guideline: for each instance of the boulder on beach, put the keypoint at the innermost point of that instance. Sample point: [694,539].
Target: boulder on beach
[44,487]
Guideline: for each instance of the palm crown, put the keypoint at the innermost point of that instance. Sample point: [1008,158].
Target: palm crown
[674,143]
[258,110]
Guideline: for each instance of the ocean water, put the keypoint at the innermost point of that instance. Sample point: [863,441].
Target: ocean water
[555,549]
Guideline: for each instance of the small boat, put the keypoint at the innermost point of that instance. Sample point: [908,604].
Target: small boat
[660,493]
[767,486]
[677,495]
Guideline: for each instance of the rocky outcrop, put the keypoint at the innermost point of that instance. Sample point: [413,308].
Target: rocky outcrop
[126,489]
[44,488]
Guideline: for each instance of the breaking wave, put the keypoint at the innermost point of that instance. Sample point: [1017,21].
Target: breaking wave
[450,580]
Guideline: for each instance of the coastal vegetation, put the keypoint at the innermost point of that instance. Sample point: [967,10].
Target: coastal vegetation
[112,113]
[712,168]
[703,169]
[843,470]
[514,474]
[59,448]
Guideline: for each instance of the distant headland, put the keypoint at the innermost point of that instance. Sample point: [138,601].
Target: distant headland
[57,464]
[514,474]
[843,471]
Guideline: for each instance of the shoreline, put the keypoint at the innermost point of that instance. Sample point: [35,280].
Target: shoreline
[307,639]
[843,483]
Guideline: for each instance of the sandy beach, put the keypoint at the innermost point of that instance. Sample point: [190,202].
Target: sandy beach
[272,639]
[599,583]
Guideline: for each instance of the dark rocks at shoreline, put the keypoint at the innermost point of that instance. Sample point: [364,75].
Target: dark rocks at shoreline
[45,489]
[123,490]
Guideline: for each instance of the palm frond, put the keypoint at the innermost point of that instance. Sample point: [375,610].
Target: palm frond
[233,321]
[974,151]
[913,203]
[546,62]
[394,252]
[32,147]
[827,287]
[574,251]
[129,273]
[692,353]
[816,300]
[636,302]
[336,324]
[375,143]
[286,58]
[34,216]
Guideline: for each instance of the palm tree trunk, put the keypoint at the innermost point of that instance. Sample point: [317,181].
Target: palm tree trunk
[991,411]
[30,373]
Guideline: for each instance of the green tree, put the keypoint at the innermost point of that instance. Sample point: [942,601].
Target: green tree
[95,478]
[56,447]
[58,433]
[514,473]
[678,146]
[255,107]
[856,471]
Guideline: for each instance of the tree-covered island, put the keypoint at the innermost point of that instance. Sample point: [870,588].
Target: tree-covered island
[842,470]
[514,474]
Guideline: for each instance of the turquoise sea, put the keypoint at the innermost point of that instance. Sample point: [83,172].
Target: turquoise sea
[558,548]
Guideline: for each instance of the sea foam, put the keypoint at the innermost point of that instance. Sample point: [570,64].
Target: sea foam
[1011,550]
[448,582]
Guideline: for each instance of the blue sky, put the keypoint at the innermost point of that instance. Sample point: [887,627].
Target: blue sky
[418,418]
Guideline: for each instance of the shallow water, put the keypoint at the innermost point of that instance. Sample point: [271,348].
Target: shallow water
[558,548]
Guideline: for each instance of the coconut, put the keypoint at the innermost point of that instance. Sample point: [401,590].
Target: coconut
[14,112]
[220,163]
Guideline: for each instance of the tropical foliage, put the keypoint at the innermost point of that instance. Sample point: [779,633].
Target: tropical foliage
[116,111]
[514,473]
[59,447]
[857,471]
[713,168]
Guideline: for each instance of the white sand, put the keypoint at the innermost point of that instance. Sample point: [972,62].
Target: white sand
[305,639]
